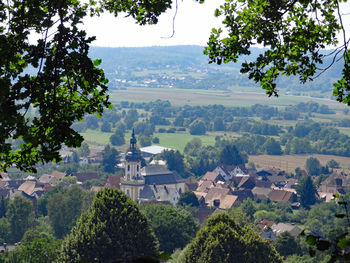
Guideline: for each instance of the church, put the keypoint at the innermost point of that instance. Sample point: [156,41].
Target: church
[154,182]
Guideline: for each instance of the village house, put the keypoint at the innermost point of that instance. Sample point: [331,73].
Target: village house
[230,171]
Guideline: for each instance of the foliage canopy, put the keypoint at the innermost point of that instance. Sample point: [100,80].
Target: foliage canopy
[112,229]
[49,83]
[223,240]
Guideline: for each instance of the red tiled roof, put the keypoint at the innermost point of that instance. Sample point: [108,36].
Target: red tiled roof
[113,181]
[210,176]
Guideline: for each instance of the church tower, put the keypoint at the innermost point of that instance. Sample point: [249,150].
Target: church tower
[132,181]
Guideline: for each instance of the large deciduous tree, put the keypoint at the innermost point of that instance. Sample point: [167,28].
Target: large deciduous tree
[294,33]
[20,216]
[50,82]
[113,229]
[223,240]
[174,227]
[110,159]
[64,208]
[313,166]
[229,155]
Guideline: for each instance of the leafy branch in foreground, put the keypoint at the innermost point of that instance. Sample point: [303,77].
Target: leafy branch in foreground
[337,248]
[294,33]
[50,82]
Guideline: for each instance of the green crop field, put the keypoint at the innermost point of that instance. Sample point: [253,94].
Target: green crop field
[178,141]
[236,96]
[94,137]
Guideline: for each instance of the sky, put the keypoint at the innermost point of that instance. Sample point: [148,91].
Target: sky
[193,24]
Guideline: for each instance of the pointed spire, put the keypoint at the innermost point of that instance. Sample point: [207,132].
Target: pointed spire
[133,141]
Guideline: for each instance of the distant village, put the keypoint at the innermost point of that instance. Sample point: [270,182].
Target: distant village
[227,186]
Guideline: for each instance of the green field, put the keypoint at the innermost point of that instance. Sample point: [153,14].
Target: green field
[236,96]
[178,141]
[96,137]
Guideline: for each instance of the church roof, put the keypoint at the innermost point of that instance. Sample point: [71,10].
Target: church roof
[157,174]
[146,193]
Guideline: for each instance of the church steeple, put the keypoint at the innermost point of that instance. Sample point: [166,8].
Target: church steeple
[133,141]
[133,154]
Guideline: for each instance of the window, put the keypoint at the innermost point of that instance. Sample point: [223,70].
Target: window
[137,168]
[128,167]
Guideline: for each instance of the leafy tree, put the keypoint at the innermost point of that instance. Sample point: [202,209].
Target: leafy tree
[91,122]
[197,127]
[333,164]
[248,208]
[145,140]
[3,206]
[223,240]
[313,166]
[272,147]
[307,191]
[30,235]
[188,199]
[112,229]
[286,245]
[179,121]
[84,150]
[174,161]
[218,124]
[110,158]
[4,230]
[64,208]
[105,127]
[294,34]
[229,155]
[39,250]
[20,216]
[117,138]
[63,83]
[193,146]
[75,157]
[174,227]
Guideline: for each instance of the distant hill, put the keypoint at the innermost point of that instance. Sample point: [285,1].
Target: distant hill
[187,67]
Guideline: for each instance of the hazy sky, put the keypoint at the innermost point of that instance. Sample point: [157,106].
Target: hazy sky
[192,27]
[193,24]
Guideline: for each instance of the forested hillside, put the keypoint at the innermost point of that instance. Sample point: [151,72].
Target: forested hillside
[186,67]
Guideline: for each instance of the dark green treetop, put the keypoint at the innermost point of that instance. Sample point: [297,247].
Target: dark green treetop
[113,229]
[223,240]
[307,191]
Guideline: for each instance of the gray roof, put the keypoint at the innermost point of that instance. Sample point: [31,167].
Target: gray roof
[155,170]
[147,192]
[160,175]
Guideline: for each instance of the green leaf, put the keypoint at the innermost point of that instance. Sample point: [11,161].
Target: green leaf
[336,195]
[311,240]
[164,256]
[97,62]
[342,242]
